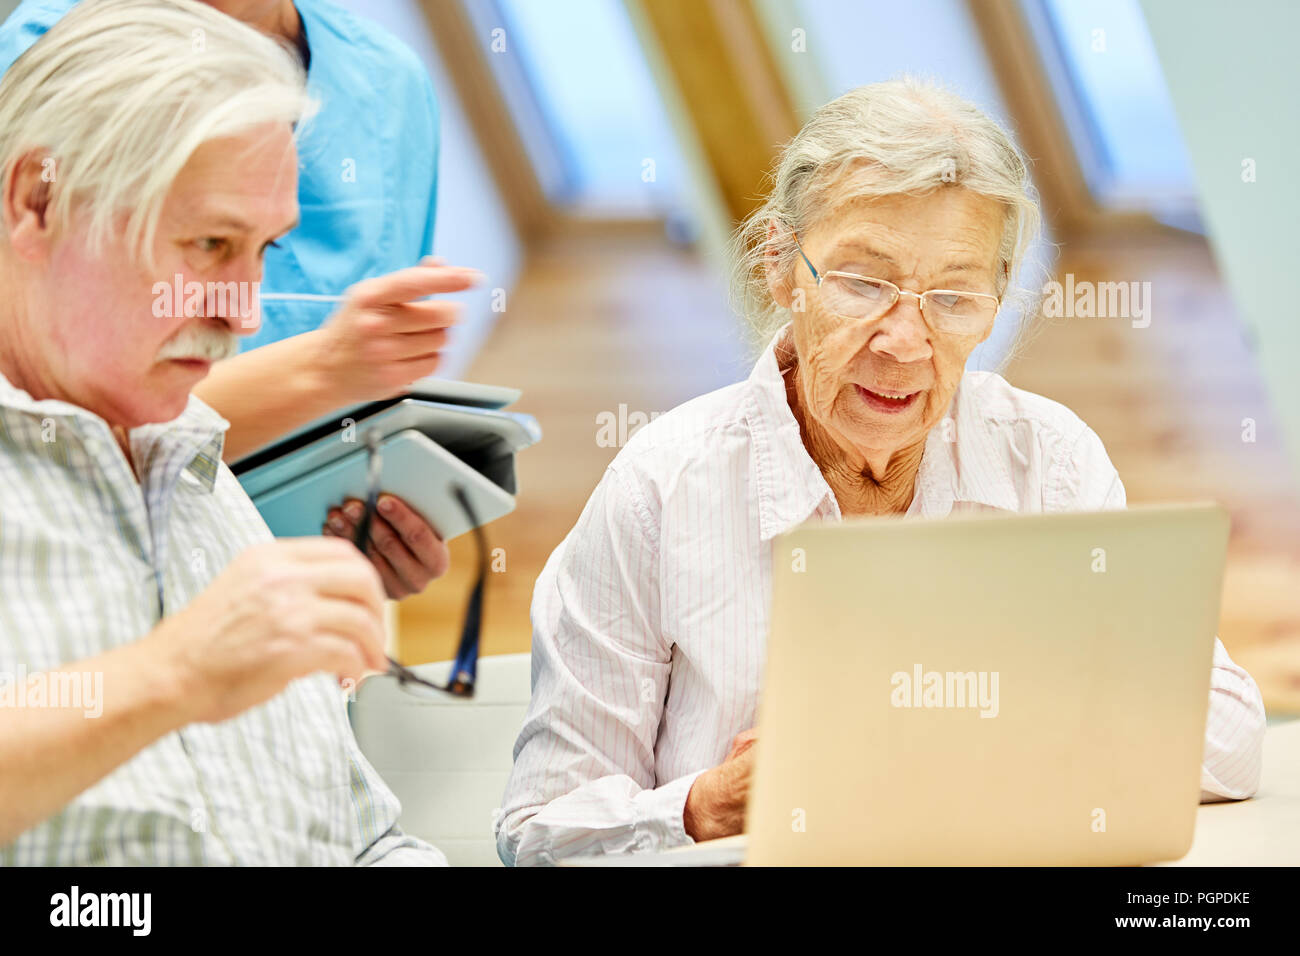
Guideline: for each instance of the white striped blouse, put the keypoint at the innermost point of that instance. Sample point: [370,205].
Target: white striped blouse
[650,619]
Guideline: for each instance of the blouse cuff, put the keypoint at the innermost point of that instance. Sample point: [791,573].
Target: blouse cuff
[659,821]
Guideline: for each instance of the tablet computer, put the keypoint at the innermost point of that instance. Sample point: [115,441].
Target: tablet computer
[415,469]
[484,439]
[468,439]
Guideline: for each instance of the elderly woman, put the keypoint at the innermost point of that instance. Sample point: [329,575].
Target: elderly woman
[897,218]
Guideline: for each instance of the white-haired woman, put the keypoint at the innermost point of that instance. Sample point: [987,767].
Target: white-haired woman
[897,219]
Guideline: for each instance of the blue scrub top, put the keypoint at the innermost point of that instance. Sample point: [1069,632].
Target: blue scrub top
[367,161]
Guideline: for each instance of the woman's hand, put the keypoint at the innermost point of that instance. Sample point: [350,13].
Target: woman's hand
[715,806]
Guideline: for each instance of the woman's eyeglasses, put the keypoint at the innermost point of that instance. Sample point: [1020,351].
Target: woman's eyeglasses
[464,669]
[859,298]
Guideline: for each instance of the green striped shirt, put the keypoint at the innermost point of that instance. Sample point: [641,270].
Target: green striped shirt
[90,559]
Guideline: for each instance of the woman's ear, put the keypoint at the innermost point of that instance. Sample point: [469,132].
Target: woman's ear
[28,192]
[778,279]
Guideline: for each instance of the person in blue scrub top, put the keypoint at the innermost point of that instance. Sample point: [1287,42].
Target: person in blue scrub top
[367,191]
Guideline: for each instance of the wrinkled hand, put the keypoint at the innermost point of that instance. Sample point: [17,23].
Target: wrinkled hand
[715,806]
[403,547]
[279,611]
[386,335]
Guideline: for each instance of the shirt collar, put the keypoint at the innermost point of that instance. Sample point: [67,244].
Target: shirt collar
[789,484]
[961,462]
[198,432]
[964,461]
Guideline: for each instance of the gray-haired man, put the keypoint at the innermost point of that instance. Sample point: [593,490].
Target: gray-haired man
[170,672]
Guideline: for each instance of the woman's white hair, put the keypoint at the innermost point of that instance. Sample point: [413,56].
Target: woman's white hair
[907,136]
[118,95]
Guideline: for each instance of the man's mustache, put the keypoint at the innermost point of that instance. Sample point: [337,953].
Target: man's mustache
[200,341]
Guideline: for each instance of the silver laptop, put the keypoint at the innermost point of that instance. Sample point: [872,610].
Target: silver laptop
[991,690]
[988,690]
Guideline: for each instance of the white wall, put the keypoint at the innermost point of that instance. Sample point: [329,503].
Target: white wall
[1235,82]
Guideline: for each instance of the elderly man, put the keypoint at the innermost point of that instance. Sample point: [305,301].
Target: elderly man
[366,195]
[169,672]
[897,218]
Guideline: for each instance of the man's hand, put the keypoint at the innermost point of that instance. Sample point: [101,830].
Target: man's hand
[279,611]
[404,548]
[386,335]
[715,806]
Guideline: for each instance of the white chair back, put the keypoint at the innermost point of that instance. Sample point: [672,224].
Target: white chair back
[447,759]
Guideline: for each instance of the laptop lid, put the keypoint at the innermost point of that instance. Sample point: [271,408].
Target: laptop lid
[1022,689]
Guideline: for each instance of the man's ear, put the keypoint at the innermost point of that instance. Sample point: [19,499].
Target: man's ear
[28,192]
[778,282]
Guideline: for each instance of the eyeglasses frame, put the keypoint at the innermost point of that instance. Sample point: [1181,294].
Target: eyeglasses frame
[898,294]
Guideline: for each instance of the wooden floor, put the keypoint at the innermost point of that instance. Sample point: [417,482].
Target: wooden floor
[594,324]
[599,323]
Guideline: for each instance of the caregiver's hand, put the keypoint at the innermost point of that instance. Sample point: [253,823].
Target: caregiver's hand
[715,806]
[404,548]
[383,337]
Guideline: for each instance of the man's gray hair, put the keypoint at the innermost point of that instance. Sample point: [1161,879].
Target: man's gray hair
[118,95]
[906,136]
